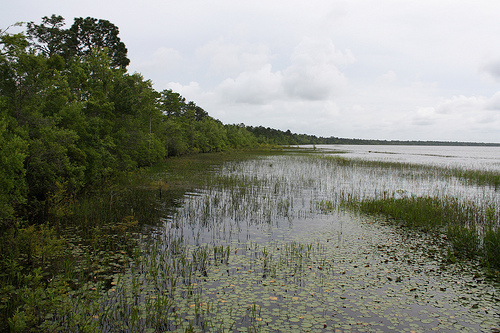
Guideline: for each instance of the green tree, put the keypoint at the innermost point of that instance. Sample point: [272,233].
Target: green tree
[89,34]
[172,104]
[13,189]
[138,120]
[239,137]
[84,37]
[49,37]
[176,141]
[211,135]
[33,93]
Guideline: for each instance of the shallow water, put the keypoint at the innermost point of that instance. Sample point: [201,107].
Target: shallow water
[260,250]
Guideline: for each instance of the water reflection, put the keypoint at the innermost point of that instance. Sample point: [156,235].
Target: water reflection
[477,158]
[267,246]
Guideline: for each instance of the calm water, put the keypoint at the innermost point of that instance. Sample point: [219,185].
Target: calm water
[485,158]
[296,264]
[367,276]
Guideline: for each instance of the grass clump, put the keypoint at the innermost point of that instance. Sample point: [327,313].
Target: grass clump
[424,213]
[491,248]
[464,240]
[469,231]
[479,177]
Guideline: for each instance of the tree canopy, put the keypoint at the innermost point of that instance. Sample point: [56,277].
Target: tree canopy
[85,36]
[72,117]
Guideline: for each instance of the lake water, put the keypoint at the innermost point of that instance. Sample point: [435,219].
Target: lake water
[266,246]
[484,158]
[366,276]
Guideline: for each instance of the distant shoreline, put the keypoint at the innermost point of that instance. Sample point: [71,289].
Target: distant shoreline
[341,141]
[276,136]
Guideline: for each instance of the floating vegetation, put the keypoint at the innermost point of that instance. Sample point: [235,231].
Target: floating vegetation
[300,243]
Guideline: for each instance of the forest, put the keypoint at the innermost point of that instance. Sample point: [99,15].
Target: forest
[72,117]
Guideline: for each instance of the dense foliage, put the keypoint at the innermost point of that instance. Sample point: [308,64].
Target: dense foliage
[72,117]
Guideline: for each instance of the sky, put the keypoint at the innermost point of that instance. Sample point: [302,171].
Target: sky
[385,69]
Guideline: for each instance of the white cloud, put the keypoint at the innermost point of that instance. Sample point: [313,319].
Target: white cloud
[165,57]
[425,116]
[493,103]
[388,78]
[164,62]
[191,91]
[492,68]
[314,73]
[462,104]
[260,86]
[232,58]
[460,117]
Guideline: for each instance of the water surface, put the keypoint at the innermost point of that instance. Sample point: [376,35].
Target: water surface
[470,157]
[296,264]
[266,246]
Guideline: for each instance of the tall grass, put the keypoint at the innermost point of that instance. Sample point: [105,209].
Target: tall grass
[470,232]
[142,253]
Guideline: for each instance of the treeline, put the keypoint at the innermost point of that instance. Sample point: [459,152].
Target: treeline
[72,117]
[275,136]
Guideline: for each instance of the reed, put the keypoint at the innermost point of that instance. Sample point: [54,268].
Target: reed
[468,229]
[491,247]
[200,237]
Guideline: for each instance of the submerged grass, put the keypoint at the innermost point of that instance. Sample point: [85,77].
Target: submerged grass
[207,243]
[469,230]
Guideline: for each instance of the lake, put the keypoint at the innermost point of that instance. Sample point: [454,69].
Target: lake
[452,156]
[275,243]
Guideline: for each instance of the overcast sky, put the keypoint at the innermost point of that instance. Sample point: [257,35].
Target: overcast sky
[396,70]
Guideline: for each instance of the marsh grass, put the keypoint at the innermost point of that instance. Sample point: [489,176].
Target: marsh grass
[491,247]
[471,230]
[253,241]
[477,177]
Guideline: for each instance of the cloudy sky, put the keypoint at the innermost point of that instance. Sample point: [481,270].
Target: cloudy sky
[385,69]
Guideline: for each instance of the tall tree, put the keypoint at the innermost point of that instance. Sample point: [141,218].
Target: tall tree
[172,104]
[49,37]
[88,34]
[85,37]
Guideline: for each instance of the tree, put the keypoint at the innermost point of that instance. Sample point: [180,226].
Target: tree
[85,37]
[88,34]
[238,136]
[176,140]
[172,104]
[48,37]
[13,151]
[211,135]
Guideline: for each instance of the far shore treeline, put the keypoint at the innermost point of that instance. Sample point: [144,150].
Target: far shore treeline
[72,117]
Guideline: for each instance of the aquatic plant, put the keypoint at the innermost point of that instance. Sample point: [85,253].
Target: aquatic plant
[281,241]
